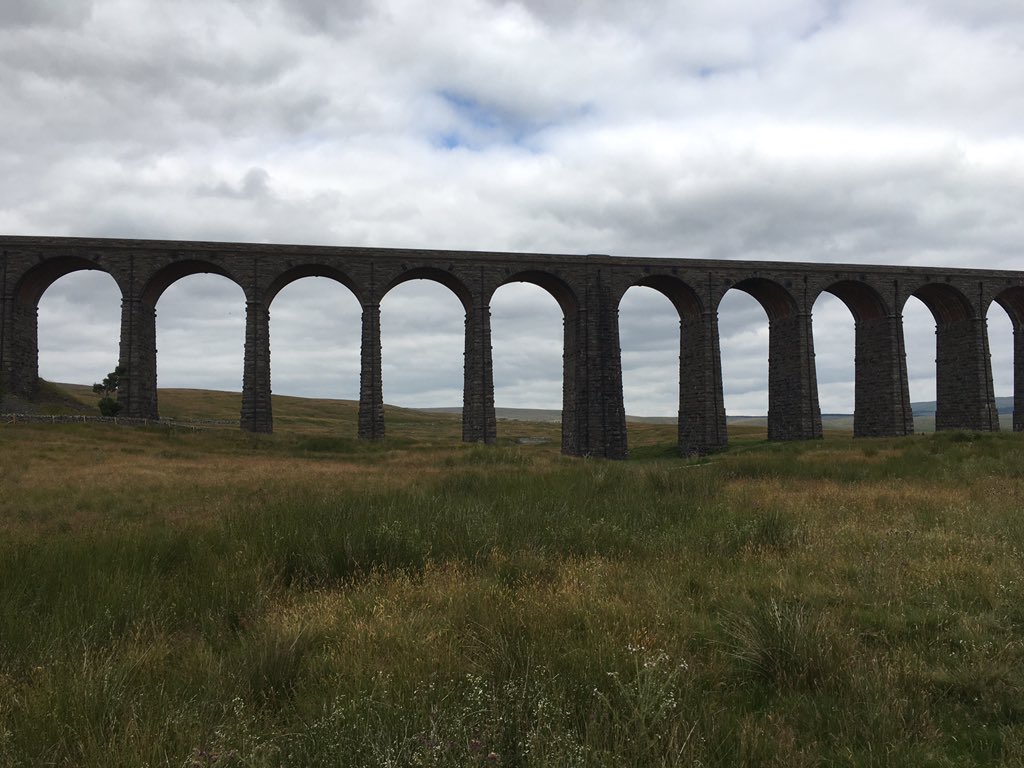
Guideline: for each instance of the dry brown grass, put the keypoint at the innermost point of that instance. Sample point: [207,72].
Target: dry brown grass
[840,602]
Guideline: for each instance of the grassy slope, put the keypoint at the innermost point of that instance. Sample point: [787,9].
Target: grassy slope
[327,414]
[170,597]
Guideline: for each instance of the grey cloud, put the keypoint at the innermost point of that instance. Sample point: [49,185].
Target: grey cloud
[861,132]
[333,17]
[254,185]
[44,13]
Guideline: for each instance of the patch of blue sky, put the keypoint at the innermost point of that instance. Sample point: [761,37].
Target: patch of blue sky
[479,125]
[831,14]
[474,111]
[449,140]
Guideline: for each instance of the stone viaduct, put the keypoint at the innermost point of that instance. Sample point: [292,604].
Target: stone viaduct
[588,290]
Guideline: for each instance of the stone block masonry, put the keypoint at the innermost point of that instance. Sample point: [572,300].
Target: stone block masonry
[588,289]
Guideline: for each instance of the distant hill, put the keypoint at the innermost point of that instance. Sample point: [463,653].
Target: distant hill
[925,408]
[1003,404]
[924,416]
[208,405]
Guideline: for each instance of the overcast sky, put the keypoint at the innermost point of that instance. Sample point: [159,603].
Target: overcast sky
[862,131]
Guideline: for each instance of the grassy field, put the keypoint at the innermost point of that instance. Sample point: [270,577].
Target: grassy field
[177,597]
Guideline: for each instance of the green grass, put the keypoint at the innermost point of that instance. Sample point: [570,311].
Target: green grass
[208,598]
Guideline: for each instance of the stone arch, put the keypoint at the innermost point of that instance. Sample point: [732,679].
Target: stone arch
[793,410]
[683,297]
[200,332]
[863,301]
[444,277]
[19,343]
[573,418]
[34,282]
[964,397]
[881,399]
[648,331]
[300,271]
[327,305]
[946,303]
[777,301]
[701,411]
[257,409]
[1012,301]
[165,277]
[558,288]
[422,341]
[371,402]
[138,332]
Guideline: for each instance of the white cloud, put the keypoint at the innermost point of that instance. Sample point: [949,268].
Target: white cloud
[861,131]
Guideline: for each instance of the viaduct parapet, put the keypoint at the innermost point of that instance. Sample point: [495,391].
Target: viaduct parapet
[588,290]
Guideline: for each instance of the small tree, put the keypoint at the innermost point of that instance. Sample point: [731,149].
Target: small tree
[109,406]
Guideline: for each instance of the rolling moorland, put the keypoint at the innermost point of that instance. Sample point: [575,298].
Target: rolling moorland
[175,596]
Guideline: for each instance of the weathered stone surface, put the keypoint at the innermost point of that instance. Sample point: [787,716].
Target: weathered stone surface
[881,392]
[701,399]
[371,394]
[588,290]
[1018,379]
[1011,298]
[138,356]
[257,415]
[963,377]
[479,424]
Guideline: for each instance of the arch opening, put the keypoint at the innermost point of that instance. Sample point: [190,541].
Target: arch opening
[945,302]
[919,337]
[528,353]
[303,271]
[743,333]
[1012,301]
[315,339]
[776,301]
[441,276]
[552,284]
[792,408]
[682,296]
[539,373]
[861,299]
[79,327]
[37,280]
[835,356]
[179,270]
[200,335]
[422,336]
[1006,344]
[649,337]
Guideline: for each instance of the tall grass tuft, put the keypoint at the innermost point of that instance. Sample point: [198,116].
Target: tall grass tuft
[644,715]
[784,644]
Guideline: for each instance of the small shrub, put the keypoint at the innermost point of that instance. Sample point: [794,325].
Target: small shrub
[110,407]
[109,387]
